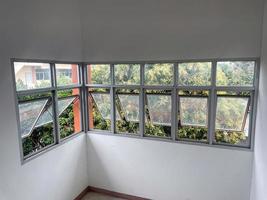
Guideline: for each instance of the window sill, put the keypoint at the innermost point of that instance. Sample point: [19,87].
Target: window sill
[186,142]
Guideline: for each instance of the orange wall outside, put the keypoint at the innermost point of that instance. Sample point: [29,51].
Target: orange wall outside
[76,105]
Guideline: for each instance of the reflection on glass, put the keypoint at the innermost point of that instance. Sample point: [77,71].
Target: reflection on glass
[99,109]
[98,74]
[232,120]
[29,113]
[158,113]
[194,111]
[194,74]
[67,74]
[69,116]
[159,74]
[127,115]
[127,74]
[193,115]
[235,73]
[32,75]
[35,135]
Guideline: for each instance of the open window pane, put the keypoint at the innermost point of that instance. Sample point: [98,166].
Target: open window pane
[127,115]
[32,75]
[127,74]
[193,115]
[158,113]
[99,74]
[29,113]
[99,109]
[35,135]
[159,74]
[69,112]
[194,74]
[232,120]
[67,74]
[235,73]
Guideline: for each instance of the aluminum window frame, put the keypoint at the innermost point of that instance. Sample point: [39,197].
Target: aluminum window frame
[85,115]
[175,87]
[53,90]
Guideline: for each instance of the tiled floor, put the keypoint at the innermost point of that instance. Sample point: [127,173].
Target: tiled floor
[97,196]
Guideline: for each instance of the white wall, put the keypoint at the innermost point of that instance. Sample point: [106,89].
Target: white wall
[167,171]
[123,30]
[170,29]
[117,30]
[259,181]
[46,30]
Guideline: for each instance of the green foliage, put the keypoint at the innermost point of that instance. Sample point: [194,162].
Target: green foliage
[40,138]
[43,135]
[193,133]
[127,74]
[66,122]
[99,74]
[157,130]
[159,74]
[123,126]
[231,137]
[195,74]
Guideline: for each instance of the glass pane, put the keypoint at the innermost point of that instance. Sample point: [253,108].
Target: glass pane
[235,73]
[69,116]
[159,74]
[158,113]
[127,74]
[195,74]
[29,113]
[127,116]
[232,120]
[35,135]
[194,111]
[193,115]
[99,74]
[32,75]
[99,109]
[67,74]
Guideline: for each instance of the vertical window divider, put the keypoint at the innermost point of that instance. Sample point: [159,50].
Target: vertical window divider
[81,97]
[253,106]
[212,104]
[174,110]
[85,103]
[112,100]
[142,101]
[55,103]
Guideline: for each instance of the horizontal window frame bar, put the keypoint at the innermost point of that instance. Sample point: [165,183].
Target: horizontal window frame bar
[218,59]
[35,99]
[66,87]
[34,91]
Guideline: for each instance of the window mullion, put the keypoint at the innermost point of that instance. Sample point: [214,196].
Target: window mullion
[85,103]
[55,104]
[112,100]
[142,102]
[82,97]
[174,103]
[212,105]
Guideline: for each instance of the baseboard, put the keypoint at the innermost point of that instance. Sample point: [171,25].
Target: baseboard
[82,194]
[108,192]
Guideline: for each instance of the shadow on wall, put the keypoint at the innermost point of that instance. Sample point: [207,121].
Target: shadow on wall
[97,166]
